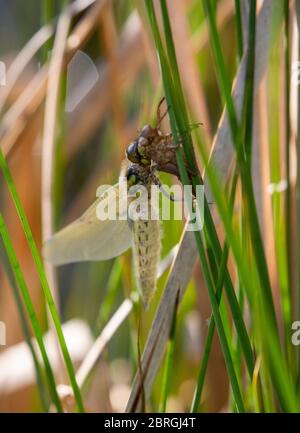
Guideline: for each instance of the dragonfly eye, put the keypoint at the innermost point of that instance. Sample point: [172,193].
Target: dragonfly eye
[132,152]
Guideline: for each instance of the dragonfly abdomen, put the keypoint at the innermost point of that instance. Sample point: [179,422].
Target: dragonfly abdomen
[146,250]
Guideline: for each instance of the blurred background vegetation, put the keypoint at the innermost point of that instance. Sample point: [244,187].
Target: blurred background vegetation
[109,86]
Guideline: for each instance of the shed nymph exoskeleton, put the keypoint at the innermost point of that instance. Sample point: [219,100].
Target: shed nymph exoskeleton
[152,146]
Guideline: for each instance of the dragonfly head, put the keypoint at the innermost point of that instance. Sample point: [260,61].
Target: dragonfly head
[134,151]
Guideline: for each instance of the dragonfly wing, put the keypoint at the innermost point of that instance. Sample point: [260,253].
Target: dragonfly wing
[88,238]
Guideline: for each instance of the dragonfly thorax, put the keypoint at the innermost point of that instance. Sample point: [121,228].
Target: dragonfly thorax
[138,174]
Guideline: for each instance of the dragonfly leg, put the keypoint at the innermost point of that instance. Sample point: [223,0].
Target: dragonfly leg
[160,116]
[157,182]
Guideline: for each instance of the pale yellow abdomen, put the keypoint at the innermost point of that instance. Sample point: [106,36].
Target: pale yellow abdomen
[146,252]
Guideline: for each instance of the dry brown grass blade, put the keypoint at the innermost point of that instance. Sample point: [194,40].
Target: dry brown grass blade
[180,274]
[23,59]
[263,129]
[48,153]
[109,330]
[50,124]
[16,119]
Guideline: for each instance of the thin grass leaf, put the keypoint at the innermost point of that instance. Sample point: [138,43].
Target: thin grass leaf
[209,226]
[229,288]
[236,134]
[255,232]
[25,328]
[223,79]
[211,328]
[298,193]
[39,266]
[271,344]
[30,310]
[286,284]
[116,320]
[222,154]
[174,97]
[209,338]
[239,31]
[47,15]
[287,80]
[179,124]
[268,309]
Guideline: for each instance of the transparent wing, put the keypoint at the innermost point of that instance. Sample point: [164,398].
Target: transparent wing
[88,238]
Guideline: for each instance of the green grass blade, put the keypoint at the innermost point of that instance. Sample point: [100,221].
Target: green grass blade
[110,296]
[225,88]
[174,99]
[251,285]
[209,338]
[182,120]
[47,14]
[30,310]
[211,328]
[46,289]
[209,226]
[298,194]
[239,30]
[247,120]
[182,117]
[223,79]
[25,328]
[287,80]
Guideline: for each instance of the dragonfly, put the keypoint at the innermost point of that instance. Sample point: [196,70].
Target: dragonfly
[91,239]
